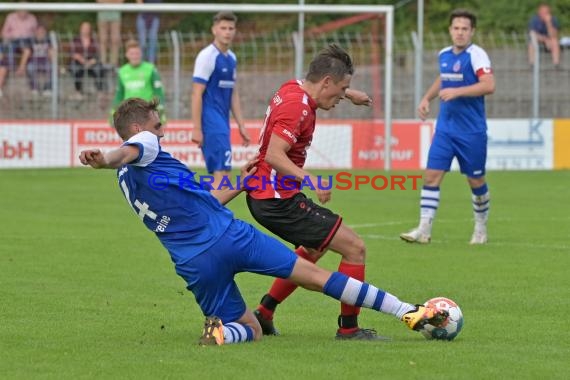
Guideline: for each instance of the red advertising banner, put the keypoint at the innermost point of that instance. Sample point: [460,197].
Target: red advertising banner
[368,144]
[177,141]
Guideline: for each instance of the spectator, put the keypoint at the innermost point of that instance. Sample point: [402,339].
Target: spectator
[18,29]
[545,27]
[38,56]
[138,79]
[85,60]
[147,29]
[109,26]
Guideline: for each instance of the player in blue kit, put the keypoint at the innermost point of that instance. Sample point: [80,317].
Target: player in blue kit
[461,128]
[207,245]
[214,95]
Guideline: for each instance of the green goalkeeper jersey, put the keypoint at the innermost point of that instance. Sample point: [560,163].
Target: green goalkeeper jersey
[142,81]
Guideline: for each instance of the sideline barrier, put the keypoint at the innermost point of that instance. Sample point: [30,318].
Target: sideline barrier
[346,144]
[514,144]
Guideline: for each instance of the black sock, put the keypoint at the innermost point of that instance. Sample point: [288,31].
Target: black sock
[269,302]
[348,321]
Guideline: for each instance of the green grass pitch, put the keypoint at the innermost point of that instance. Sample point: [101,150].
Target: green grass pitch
[87,292]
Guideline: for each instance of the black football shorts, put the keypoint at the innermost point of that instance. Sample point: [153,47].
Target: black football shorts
[298,220]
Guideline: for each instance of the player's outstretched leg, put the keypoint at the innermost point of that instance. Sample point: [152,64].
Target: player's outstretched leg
[216,333]
[353,292]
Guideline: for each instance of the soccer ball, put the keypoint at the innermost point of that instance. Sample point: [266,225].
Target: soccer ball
[451,327]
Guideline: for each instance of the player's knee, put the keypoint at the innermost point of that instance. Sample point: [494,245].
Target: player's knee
[476,182]
[357,250]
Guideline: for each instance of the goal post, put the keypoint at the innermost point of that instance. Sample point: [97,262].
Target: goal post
[386,10]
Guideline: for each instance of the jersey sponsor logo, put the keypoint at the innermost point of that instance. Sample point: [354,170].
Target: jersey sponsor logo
[123,171]
[226,84]
[135,84]
[162,224]
[449,77]
[289,134]
[456,66]
[277,100]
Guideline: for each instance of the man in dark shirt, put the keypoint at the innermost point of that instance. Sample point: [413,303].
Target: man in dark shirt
[545,27]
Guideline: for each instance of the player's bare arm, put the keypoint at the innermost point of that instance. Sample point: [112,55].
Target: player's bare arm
[550,29]
[196,106]
[276,156]
[485,86]
[225,195]
[358,98]
[236,111]
[431,93]
[111,160]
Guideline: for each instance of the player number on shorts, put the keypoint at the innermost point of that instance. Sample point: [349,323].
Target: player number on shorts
[228,155]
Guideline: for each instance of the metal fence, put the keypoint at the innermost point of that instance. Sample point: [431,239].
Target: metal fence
[266,60]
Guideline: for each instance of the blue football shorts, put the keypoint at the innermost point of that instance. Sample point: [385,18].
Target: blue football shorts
[243,248]
[217,152]
[470,150]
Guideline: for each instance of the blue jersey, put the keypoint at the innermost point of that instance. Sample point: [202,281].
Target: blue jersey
[163,193]
[463,114]
[537,25]
[217,71]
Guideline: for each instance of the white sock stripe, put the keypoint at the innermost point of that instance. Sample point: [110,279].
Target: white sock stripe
[238,331]
[351,291]
[229,336]
[429,194]
[429,202]
[371,295]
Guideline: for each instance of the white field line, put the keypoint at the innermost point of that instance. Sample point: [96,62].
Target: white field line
[491,243]
[448,221]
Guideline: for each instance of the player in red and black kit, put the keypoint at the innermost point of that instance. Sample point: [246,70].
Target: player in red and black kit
[276,201]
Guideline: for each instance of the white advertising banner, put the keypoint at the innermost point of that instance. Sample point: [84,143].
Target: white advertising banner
[34,145]
[520,144]
[331,147]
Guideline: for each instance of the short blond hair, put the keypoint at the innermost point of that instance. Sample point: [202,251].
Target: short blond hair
[131,44]
[133,110]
